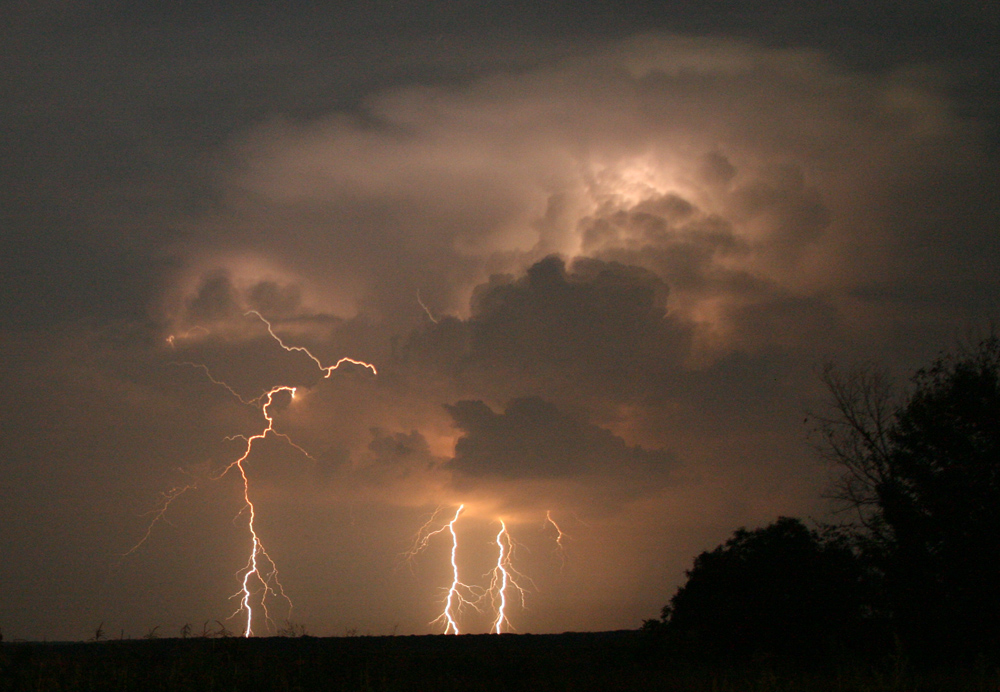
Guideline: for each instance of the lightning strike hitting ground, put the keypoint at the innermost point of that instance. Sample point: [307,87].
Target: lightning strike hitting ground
[504,576]
[268,583]
[459,593]
[504,579]
[260,574]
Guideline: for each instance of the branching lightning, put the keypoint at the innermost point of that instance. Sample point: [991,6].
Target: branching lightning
[268,583]
[506,585]
[259,580]
[328,369]
[159,513]
[459,594]
[260,574]
[503,577]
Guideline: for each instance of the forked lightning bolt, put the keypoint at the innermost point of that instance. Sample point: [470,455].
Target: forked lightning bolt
[260,575]
[459,594]
[504,577]
[328,369]
[505,581]
[252,571]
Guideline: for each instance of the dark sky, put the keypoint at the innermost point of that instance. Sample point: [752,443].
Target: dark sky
[598,253]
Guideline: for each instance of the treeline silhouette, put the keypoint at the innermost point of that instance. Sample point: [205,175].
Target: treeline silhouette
[916,568]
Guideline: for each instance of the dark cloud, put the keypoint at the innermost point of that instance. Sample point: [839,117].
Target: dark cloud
[395,456]
[602,318]
[615,243]
[533,439]
[671,236]
[600,321]
[216,299]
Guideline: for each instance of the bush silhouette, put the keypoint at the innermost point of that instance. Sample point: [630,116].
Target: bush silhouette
[778,589]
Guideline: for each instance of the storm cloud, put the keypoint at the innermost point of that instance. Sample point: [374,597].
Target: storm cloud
[534,439]
[596,269]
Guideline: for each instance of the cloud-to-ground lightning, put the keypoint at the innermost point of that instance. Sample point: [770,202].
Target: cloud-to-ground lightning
[268,583]
[459,593]
[504,580]
[260,574]
[504,577]
[456,598]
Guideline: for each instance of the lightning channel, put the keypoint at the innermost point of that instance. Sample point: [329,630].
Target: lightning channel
[560,536]
[459,594]
[252,575]
[259,577]
[427,310]
[504,577]
[327,369]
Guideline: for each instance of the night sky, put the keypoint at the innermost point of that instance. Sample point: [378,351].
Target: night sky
[597,252]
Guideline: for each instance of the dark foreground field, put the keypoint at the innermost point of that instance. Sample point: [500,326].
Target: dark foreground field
[596,661]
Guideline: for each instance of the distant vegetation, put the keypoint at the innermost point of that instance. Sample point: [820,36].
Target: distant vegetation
[915,573]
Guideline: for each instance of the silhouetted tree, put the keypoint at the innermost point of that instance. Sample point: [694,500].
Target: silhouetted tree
[782,589]
[924,474]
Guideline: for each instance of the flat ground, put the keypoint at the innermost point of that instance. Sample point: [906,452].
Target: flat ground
[606,661]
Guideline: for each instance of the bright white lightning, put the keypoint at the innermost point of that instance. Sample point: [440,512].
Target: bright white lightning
[505,581]
[503,577]
[459,593]
[269,583]
[453,592]
[260,575]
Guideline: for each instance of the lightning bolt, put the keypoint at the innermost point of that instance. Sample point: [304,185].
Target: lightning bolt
[455,599]
[505,581]
[560,535]
[427,310]
[504,576]
[459,593]
[268,583]
[260,574]
[328,369]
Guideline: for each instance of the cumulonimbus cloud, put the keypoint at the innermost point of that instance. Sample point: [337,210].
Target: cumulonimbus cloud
[742,176]
[613,230]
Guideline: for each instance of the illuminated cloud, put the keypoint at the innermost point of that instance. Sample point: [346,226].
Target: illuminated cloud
[595,278]
[742,177]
